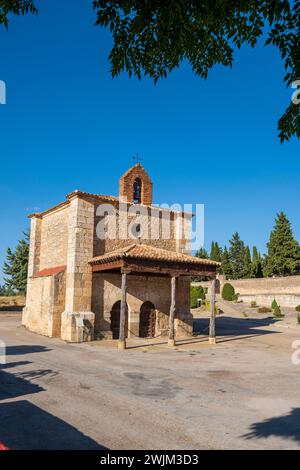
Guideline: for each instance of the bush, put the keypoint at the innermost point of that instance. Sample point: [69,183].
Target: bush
[264,310]
[197,292]
[228,292]
[277,312]
[274,304]
[253,304]
[297,308]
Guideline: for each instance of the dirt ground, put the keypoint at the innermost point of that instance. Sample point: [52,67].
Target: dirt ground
[242,393]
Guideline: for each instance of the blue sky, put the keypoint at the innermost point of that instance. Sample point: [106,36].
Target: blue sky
[68,125]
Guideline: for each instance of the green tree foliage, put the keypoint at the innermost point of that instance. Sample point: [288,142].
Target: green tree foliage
[153,38]
[16,267]
[228,292]
[277,312]
[2,290]
[202,253]
[257,264]
[215,252]
[236,256]
[247,265]
[283,257]
[15,7]
[196,292]
[226,267]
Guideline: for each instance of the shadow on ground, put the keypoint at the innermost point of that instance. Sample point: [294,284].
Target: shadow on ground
[25,349]
[12,308]
[227,329]
[13,385]
[230,326]
[24,426]
[287,426]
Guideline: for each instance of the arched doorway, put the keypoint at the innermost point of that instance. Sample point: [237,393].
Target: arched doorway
[115,320]
[147,320]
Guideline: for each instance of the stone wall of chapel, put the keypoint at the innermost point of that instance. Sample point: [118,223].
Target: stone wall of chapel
[156,231]
[54,239]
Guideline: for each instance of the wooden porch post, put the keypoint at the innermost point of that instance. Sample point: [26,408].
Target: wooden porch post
[171,341]
[212,327]
[122,340]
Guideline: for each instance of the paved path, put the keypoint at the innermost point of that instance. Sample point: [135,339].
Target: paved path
[241,393]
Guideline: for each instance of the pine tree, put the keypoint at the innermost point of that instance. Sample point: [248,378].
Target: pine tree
[236,255]
[247,267]
[283,258]
[226,267]
[16,267]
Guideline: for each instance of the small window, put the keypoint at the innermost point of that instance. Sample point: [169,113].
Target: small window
[136,231]
[137,191]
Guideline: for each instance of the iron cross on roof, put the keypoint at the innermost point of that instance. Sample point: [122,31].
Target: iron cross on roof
[137,159]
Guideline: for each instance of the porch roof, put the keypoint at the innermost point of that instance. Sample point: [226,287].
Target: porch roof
[150,259]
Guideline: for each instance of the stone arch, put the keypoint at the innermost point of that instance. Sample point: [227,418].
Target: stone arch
[147,320]
[115,320]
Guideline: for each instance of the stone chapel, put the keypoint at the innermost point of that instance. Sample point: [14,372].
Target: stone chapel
[84,284]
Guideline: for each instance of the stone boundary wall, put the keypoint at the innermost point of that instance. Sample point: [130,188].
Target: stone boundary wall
[286,290]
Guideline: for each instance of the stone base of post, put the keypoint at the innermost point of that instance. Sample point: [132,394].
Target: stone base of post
[212,341]
[171,343]
[122,345]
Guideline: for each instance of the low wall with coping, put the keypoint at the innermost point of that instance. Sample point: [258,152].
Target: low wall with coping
[286,290]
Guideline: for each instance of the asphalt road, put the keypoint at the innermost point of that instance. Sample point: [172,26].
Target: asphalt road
[242,393]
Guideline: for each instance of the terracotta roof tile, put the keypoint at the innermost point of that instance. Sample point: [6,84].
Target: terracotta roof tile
[148,252]
[51,271]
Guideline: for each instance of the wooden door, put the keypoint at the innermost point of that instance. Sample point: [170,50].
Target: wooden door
[115,320]
[147,320]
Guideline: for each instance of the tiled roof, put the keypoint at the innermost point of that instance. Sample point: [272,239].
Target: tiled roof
[148,252]
[51,271]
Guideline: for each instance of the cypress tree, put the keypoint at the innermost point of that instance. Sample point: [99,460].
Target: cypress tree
[257,264]
[226,267]
[283,258]
[218,252]
[202,253]
[16,267]
[236,255]
[215,252]
[247,267]
[212,250]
